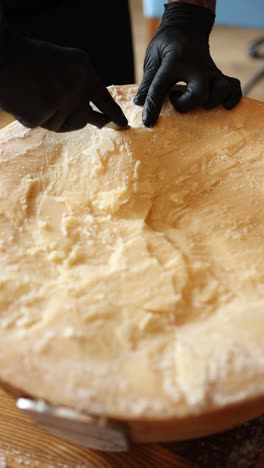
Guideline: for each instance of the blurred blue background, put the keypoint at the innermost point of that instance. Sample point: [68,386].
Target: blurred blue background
[243,13]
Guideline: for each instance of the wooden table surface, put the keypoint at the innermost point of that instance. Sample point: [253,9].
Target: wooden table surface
[22,443]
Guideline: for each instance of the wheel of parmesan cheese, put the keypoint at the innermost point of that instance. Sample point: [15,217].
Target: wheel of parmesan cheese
[132,268]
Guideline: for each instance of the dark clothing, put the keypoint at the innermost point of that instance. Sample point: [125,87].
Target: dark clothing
[15,5]
[101,28]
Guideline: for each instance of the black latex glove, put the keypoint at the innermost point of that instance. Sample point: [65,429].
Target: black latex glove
[45,85]
[179,52]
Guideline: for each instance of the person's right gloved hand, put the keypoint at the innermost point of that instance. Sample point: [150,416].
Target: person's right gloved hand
[45,85]
[180,52]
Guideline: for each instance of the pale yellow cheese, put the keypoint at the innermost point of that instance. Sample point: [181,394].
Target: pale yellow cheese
[132,262]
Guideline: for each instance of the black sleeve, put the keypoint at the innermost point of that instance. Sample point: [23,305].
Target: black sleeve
[1,11]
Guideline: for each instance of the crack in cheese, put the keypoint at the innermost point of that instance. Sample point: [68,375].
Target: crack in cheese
[132,266]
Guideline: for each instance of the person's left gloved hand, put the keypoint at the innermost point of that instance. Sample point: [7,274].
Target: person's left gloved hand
[179,52]
[53,87]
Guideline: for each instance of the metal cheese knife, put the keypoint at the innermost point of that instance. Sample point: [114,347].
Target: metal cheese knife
[88,431]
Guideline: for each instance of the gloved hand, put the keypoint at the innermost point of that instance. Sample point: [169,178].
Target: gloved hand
[45,85]
[179,52]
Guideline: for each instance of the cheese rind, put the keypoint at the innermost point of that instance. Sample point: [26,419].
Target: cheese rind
[132,266]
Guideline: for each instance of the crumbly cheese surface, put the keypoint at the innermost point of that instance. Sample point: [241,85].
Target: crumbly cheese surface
[132,262]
